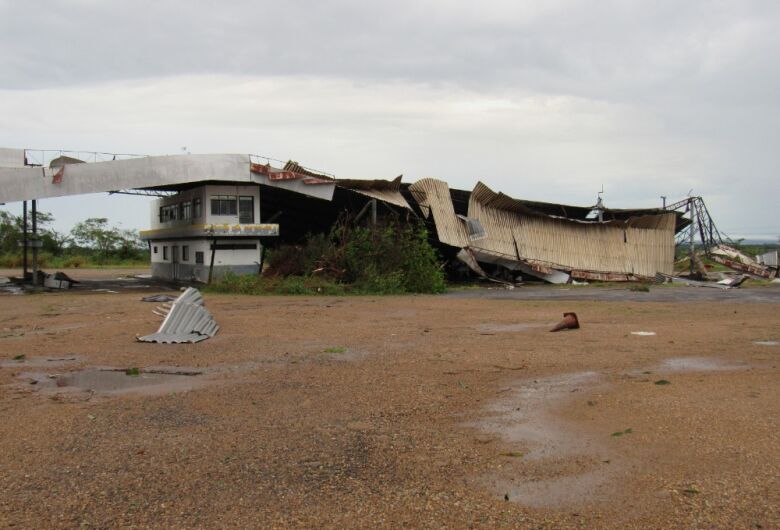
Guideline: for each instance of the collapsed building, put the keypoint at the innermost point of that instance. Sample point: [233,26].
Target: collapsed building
[553,242]
[217,213]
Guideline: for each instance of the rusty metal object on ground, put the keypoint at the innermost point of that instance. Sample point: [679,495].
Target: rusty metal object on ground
[569,322]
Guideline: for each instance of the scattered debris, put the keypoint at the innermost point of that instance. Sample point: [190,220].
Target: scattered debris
[569,322]
[621,433]
[737,260]
[513,454]
[158,298]
[767,342]
[187,320]
[734,281]
[58,280]
[643,333]
[663,278]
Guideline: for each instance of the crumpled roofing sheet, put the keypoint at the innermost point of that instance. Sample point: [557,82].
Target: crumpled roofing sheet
[433,197]
[388,191]
[187,321]
[641,245]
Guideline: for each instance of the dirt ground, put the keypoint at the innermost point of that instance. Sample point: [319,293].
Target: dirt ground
[458,411]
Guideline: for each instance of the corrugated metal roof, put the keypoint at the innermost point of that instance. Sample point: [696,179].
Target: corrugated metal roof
[388,191]
[433,196]
[641,245]
[187,321]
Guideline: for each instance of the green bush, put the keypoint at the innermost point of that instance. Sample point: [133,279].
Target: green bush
[387,259]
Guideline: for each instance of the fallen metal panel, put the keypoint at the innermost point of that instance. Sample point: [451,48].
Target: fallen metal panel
[661,278]
[187,321]
[543,273]
[738,260]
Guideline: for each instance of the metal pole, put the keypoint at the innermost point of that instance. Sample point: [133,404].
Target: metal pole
[693,230]
[211,265]
[24,239]
[373,212]
[35,241]
[663,198]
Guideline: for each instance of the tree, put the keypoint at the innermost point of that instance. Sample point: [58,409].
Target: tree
[95,233]
[12,233]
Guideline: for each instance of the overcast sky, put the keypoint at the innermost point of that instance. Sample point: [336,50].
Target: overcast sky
[541,100]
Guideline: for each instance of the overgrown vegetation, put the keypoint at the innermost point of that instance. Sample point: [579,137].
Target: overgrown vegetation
[391,258]
[90,243]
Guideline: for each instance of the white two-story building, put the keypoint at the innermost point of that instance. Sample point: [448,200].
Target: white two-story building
[202,232]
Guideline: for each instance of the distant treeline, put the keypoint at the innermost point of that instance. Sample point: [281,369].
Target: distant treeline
[92,242]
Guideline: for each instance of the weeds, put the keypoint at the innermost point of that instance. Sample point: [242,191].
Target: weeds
[336,349]
[662,382]
[133,372]
[389,259]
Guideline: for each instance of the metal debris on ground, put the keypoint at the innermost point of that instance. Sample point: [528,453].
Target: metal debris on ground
[158,298]
[186,320]
[569,321]
[58,280]
[663,278]
[643,333]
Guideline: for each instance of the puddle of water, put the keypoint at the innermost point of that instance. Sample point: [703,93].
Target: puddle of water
[508,328]
[525,415]
[698,364]
[767,342]
[557,492]
[41,361]
[112,382]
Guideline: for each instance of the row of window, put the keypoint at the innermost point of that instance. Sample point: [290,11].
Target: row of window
[185,254]
[181,211]
[243,206]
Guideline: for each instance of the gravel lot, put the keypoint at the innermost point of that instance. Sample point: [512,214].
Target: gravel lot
[456,411]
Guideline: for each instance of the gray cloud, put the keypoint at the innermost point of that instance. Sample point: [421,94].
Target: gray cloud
[547,100]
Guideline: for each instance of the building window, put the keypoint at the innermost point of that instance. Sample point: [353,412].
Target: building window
[246,209]
[223,205]
[155,249]
[186,210]
[199,257]
[185,253]
[197,208]
[165,253]
[170,212]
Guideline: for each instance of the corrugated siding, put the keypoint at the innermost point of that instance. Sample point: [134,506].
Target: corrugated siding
[433,196]
[609,247]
